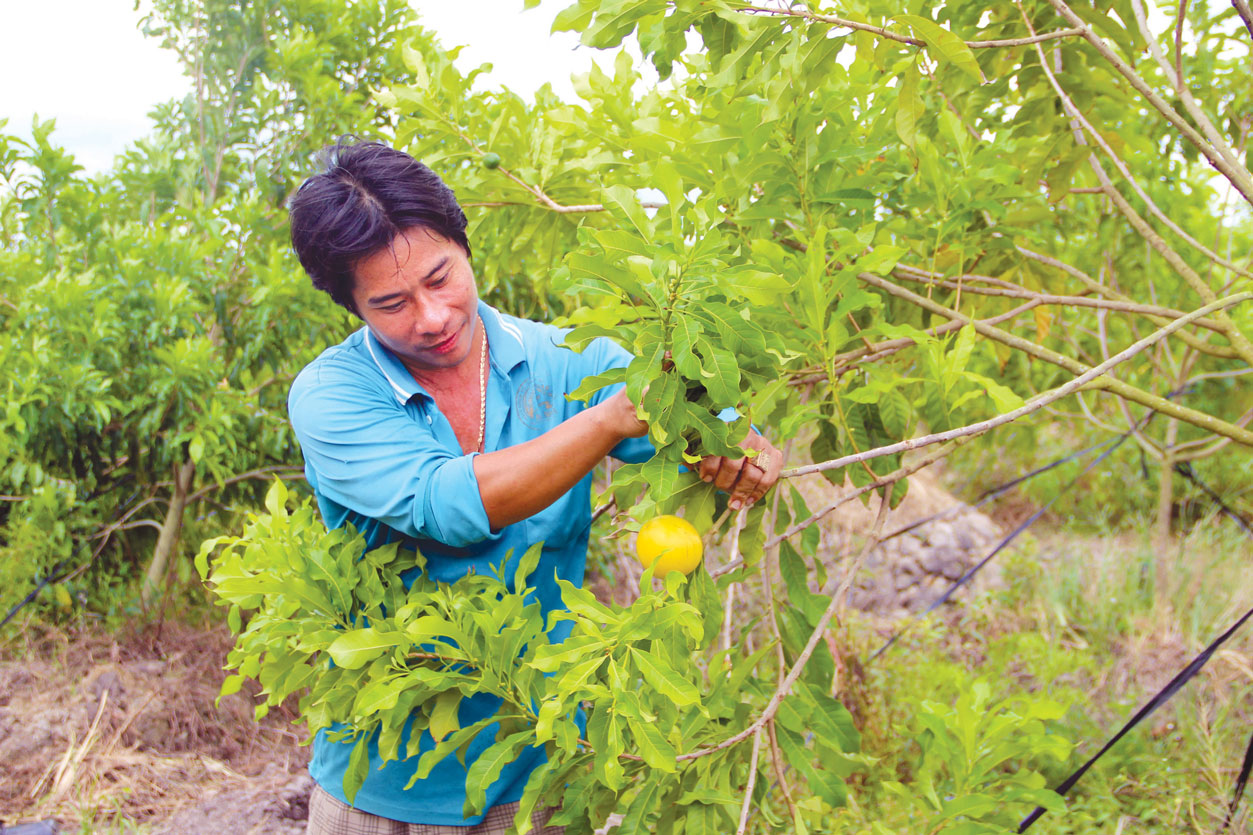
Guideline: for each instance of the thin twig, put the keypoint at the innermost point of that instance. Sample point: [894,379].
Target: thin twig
[736,528]
[1242,8]
[1220,351]
[290,470]
[905,39]
[752,784]
[780,773]
[1110,384]
[1176,79]
[1037,402]
[1068,301]
[1123,169]
[785,686]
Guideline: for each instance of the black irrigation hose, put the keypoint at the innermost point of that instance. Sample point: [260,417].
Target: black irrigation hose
[1185,469]
[53,576]
[1241,782]
[1164,695]
[1153,704]
[975,569]
[991,493]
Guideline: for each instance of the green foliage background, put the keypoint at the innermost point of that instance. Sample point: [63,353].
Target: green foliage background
[858,226]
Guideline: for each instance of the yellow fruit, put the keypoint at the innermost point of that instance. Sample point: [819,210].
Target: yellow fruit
[668,543]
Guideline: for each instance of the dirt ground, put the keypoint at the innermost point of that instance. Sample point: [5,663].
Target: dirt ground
[103,734]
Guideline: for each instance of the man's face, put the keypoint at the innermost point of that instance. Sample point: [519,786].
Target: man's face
[419,299]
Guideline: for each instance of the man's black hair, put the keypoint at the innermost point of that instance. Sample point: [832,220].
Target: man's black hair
[366,195]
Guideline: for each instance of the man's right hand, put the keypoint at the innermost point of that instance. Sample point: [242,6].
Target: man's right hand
[622,417]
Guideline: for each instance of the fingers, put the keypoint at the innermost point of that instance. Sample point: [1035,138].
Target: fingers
[746,479]
[748,488]
[624,417]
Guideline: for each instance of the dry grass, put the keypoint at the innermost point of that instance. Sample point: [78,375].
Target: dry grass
[125,727]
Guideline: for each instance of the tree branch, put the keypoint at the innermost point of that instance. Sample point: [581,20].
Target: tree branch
[905,39]
[752,784]
[1242,8]
[1238,177]
[1108,292]
[1086,376]
[780,774]
[785,686]
[289,469]
[1067,301]
[1175,78]
[1107,186]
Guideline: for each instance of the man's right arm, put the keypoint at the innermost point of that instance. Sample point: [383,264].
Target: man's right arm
[521,480]
[371,455]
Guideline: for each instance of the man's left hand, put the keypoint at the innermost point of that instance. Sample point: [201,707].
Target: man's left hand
[746,479]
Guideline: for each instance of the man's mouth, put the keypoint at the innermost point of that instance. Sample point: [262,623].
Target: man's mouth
[445,346]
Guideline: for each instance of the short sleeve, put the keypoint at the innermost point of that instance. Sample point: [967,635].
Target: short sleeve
[379,457]
[599,356]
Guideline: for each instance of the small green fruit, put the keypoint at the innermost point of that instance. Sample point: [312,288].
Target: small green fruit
[491,160]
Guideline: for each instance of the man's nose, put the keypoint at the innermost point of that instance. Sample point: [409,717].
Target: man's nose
[430,318]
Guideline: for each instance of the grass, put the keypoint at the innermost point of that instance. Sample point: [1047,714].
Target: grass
[1081,621]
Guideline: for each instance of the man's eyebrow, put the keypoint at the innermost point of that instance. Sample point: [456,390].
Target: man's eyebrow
[384,299]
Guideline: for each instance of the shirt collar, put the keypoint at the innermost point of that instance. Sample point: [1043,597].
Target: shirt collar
[504,339]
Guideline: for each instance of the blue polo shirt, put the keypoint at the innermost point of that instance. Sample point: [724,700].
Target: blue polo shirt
[380,455]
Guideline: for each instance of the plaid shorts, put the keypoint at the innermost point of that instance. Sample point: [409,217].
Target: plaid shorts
[329,816]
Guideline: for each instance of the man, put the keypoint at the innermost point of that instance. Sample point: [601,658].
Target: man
[443,424]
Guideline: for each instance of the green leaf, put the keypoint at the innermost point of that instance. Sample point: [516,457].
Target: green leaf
[1005,399]
[664,679]
[376,697]
[445,748]
[720,373]
[353,650]
[573,18]
[552,657]
[595,382]
[656,750]
[358,767]
[795,576]
[484,770]
[549,712]
[444,718]
[706,598]
[433,627]
[754,285]
[625,206]
[579,674]
[526,567]
[909,107]
[943,45]
[536,786]
[637,813]
[230,685]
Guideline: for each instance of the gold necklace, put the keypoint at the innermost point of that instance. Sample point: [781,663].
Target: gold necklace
[482,388]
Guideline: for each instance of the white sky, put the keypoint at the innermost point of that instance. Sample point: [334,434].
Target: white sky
[86,64]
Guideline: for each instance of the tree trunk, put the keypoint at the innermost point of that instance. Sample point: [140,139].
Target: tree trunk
[170,529]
